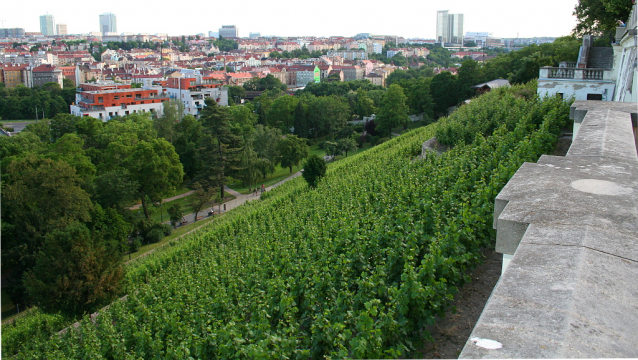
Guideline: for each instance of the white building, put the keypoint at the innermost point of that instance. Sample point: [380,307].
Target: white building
[449,27]
[108,23]
[229,31]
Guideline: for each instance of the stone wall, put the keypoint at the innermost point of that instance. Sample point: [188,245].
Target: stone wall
[568,231]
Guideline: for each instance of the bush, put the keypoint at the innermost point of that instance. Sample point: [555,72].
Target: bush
[166,229]
[136,244]
[155,235]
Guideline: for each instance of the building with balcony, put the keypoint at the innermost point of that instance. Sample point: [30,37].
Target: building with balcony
[191,88]
[105,101]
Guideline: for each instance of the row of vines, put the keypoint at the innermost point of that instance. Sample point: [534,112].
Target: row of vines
[355,268]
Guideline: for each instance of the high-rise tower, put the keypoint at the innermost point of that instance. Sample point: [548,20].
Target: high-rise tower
[47,25]
[108,23]
[449,27]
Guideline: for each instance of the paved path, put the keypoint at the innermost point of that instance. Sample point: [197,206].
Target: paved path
[231,204]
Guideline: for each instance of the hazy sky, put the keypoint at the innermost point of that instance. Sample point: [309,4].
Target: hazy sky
[407,18]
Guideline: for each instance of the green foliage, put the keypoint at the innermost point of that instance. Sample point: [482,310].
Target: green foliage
[355,268]
[291,150]
[600,16]
[74,272]
[175,214]
[20,102]
[314,168]
[225,44]
[268,82]
[24,332]
[393,112]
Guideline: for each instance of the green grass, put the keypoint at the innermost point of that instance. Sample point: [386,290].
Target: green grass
[8,308]
[15,121]
[161,215]
[411,125]
[279,174]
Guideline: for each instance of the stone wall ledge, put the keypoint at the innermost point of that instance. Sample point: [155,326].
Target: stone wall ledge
[570,225]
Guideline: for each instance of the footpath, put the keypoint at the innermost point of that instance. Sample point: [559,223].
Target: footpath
[240,199]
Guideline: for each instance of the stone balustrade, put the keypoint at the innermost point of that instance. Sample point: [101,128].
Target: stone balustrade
[568,73]
[568,231]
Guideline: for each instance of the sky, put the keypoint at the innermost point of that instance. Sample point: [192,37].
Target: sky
[407,18]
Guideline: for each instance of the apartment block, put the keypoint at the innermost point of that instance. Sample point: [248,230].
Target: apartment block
[105,101]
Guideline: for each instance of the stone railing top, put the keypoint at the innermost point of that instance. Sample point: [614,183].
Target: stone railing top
[571,224]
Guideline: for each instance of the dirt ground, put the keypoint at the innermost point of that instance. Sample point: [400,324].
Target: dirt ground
[451,332]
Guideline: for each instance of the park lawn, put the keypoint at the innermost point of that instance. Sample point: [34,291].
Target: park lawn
[181,230]
[161,214]
[16,121]
[8,308]
[279,174]
[411,125]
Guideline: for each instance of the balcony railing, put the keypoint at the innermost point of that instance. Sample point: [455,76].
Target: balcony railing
[574,74]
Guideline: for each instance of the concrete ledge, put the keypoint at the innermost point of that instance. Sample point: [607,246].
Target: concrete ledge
[570,225]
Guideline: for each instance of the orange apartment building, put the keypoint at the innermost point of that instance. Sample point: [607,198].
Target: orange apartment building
[105,101]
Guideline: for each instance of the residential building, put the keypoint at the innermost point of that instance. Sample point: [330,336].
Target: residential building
[108,24]
[47,25]
[61,29]
[229,31]
[105,101]
[375,79]
[47,73]
[349,54]
[191,88]
[11,33]
[12,75]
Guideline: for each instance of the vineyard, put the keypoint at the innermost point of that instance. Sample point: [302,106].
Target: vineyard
[352,269]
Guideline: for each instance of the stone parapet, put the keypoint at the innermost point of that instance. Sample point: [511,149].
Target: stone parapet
[569,228]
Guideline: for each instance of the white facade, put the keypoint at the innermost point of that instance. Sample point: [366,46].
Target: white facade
[449,27]
[108,23]
[229,31]
[110,112]
[193,101]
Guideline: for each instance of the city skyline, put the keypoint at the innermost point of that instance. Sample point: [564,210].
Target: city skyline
[410,19]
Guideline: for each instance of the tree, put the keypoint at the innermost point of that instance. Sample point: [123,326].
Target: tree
[265,142]
[235,94]
[175,214]
[39,196]
[301,127]
[165,124]
[443,89]
[331,148]
[393,112]
[282,112]
[254,168]
[188,135]
[221,148]
[115,189]
[200,197]
[314,169]
[75,271]
[291,151]
[327,115]
[155,166]
[346,144]
[600,16]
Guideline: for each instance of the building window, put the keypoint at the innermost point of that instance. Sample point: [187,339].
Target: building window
[116,98]
[594,96]
[560,95]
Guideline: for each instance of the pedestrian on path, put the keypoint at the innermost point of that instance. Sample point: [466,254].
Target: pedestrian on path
[263,188]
